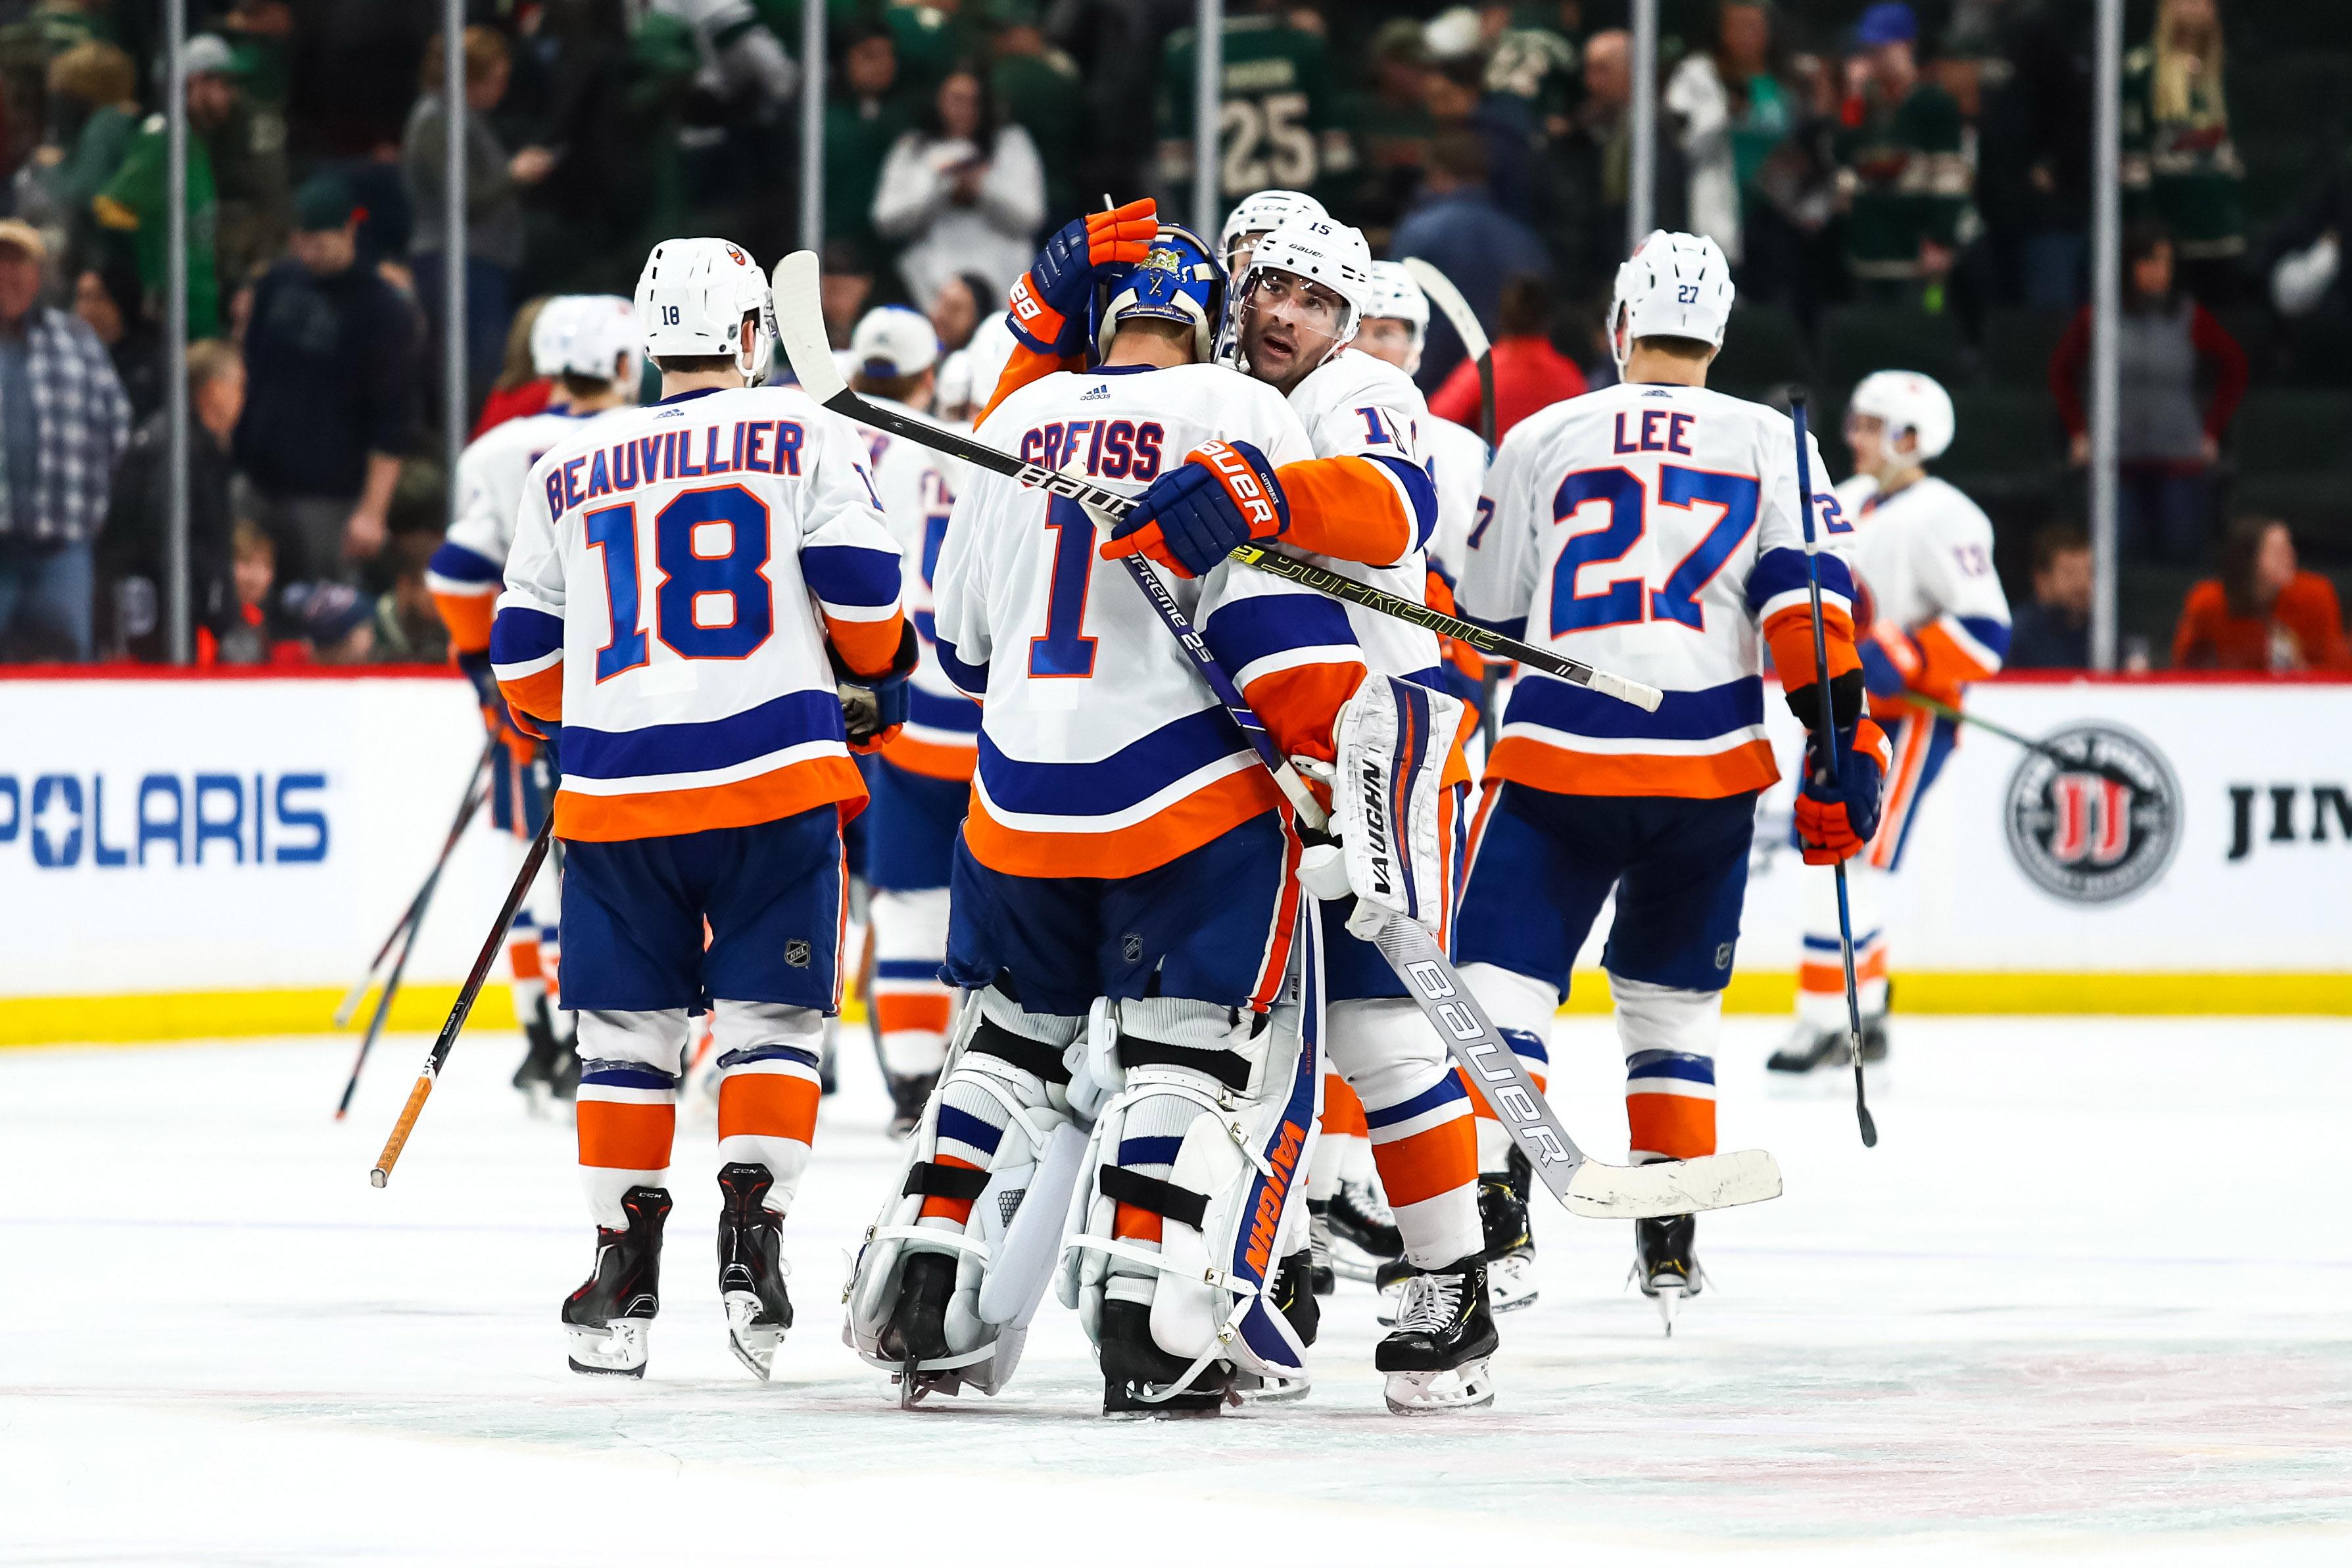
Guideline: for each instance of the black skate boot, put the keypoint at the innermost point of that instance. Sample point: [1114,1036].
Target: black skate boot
[1294,1298]
[542,1065]
[1510,1247]
[1437,1357]
[1809,1049]
[828,1077]
[1134,1368]
[611,1317]
[1664,1265]
[1323,1277]
[909,1095]
[1364,1232]
[752,1267]
[918,1329]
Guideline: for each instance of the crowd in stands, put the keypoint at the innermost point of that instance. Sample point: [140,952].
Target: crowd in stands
[1897,183]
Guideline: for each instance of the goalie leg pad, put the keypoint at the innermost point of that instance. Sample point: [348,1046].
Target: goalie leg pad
[972,1164]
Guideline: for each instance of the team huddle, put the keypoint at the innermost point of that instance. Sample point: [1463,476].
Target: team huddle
[1138,1000]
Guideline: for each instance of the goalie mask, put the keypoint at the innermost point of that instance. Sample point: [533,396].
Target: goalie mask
[1177,280]
[692,299]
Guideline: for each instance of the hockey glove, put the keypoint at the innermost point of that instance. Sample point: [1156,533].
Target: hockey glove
[1222,494]
[874,707]
[520,738]
[1049,303]
[1837,809]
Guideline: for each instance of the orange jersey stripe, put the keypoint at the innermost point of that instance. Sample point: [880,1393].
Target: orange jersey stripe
[1343,1114]
[663,813]
[1675,1125]
[1301,704]
[930,760]
[1944,666]
[1026,365]
[1709,777]
[538,694]
[1215,808]
[523,957]
[468,618]
[1790,634]
[957,1209]
[768,1106]
[625,1136]
[866,646]
[1829,979]
[1428,1164]
[1347,508]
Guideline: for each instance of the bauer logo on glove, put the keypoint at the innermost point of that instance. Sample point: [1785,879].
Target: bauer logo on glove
[1225,493]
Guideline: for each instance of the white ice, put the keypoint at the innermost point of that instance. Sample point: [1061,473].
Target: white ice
[2090,1298]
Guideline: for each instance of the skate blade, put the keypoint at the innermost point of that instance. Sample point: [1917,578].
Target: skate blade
[753,1342]
[1669,1299]
[1351,1261]
[1511,1282]
[1442,1391]
[617,1350]
[1259,1390]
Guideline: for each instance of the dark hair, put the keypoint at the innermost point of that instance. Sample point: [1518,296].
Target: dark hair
[2054,539]
[928,121]
[1526,308]
[2240,543]
[693,364]
[1459,154]
[1735,88]
[2141,239]
[577,386]
[897,388]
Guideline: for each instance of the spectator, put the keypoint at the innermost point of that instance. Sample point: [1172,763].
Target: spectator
[108,303]
[961,192]
[133,202]
[2052,630]
[519,389]
[1392,127]
[1278,117]
[2305,258]
[1457,99]
[963,302]
[1732,112]
[94,113]
[256,630]
[2164,446]
[133,553]
[494,181]
[1457,228]
[1038,85]
[1903,171]
[843,288]
[336,619]
[63,422]
[1596,169]
[330,354]
[247,147]
[2263,612]
[2179,163]
[1536,60]
[862,121]
[1529,373]
[408,625]
[2033,152]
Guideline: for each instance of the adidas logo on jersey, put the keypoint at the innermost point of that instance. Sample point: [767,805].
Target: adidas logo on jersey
[1096,394]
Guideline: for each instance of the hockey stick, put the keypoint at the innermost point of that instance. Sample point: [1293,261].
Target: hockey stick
[1583,1185]
[2043,748]
[466,806]
[800,326]
[439,1056]
[1448,299]
[1828,742]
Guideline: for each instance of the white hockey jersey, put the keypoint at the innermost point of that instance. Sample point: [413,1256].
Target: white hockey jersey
[468,566]
[917,489]
[1102,752]
[1922,561]
[1652,531]
[1456,460]
[677,574]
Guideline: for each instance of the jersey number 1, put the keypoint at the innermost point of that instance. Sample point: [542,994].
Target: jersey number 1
[1630,600]
[713,601]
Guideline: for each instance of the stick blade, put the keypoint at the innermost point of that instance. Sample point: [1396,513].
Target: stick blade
[800,326]
[1673,1186]
[1448,299]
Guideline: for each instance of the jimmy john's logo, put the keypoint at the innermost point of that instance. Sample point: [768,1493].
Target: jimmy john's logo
[2099,827]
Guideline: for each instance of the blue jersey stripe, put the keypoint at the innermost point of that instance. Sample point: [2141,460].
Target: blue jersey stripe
[519,635]
[788,720]
[1683,716]
[1126,777]
[851,574]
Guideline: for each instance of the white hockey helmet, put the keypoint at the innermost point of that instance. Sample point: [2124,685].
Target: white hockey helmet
[692,298]
[1672,285]
[955,381]
[1396,297]
[584,335]
[1324,251]
[1906,400]
[1260,214]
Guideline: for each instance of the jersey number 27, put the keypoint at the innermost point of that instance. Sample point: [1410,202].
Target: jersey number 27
[1627,600]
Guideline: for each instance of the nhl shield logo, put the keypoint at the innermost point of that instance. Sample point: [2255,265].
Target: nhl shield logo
[2100,828]
[796,953]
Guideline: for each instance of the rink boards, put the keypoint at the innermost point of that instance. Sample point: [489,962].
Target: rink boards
[209,856]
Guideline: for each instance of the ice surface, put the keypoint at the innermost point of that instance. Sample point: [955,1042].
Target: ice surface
[2090,1298]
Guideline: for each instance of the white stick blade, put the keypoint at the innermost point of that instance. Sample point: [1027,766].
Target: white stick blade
[1673,1186]
[1448,299]
[800,326]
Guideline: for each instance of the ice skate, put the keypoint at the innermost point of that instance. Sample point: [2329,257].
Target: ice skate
[1809,1049]
[909,1095]
[1325,1276]
[1436,1358]
[917,1330]
[1665,1264]
[1136,1372]
[1364,1232]
[1293,1296]
[550,1070]
[828,1079]
[1510,1247]
[751,1268]
[611,1317]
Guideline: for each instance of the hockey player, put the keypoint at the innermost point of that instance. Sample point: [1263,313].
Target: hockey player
[1921,554]
[1650,529]
[704,595]
[1125,904]
[1396,329]
[1364,506]
[588,345]
[923,778]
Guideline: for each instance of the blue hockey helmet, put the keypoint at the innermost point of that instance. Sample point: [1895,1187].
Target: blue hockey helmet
[1178,281]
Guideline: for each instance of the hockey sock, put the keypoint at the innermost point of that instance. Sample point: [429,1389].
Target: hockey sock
[525,960]
[911,1005]
[1343,1134]
[627,1105]
[1522,1007]
[1417,1111]
[767,1055]
[1820,974]
[1669,1036]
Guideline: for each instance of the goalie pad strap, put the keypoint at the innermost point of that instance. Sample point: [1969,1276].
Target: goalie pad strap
[1040,1062]
[1164,1198]
[927,1178]
[1224,1066]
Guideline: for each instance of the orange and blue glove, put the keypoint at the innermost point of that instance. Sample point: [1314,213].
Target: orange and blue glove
[1049,303]
[1222,494]
[1837,809]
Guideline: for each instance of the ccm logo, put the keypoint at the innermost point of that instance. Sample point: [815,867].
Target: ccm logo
[1240,482]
